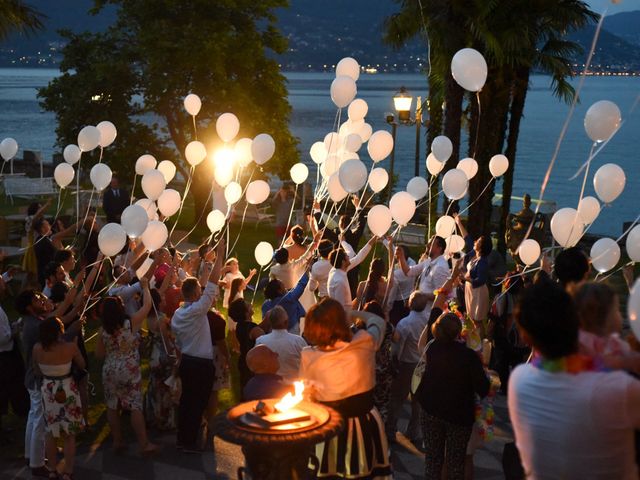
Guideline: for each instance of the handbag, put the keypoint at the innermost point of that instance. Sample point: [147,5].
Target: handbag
[418,372]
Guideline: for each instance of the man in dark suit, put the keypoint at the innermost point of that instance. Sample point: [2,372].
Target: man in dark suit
[114,200]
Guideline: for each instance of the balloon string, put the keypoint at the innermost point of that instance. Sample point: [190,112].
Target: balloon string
[616,270]
[584,182]
[186,191]
[604,144]
[293,206]
[195,128]
[475,141]
[197,222]
[241,226]
[255,290]
[478,197]
[565,126]
[78,190]
[135,175]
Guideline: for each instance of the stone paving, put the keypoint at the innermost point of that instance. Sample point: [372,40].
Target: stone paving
[100,463]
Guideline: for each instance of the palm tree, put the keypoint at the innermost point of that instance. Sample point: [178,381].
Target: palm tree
[17,16]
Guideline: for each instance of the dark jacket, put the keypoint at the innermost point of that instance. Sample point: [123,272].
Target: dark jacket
[113,205]
[452,377]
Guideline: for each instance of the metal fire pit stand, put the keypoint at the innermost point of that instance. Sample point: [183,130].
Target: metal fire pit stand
[278,455]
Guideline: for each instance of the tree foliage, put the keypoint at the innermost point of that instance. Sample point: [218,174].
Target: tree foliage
[156,53]
[17,16]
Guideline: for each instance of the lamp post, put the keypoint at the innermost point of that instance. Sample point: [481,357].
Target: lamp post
[402,103]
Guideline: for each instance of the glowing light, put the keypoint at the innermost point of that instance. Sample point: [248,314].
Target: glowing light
[224,157]
[289,401]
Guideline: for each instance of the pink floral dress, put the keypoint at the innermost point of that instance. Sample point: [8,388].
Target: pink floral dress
[61,400]
[121,370]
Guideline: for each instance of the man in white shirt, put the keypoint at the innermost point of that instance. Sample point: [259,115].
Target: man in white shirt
[320,269]
[401,289]
[193,338]
[433,270]
[287,345]
[406,339]
[570,420]
[338,282]
[128,293]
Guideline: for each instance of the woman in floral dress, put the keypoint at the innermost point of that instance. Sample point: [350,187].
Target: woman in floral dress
[52,359]
[118,342]
[159,408]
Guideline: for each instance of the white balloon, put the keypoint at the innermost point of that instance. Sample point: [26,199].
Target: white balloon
[567,227]
[215,220]
[111,239]
[63,174]
[434,166]
[223,175]
[609,182]
[144,268]
[299,173]
[332,142]
[358,109]
[227,126]
[589,209]
[498,165]
[343,91]
[469,166]
[353,142]
[455,244]
[134,220]
[169,202]
[602,120]
[330,165]
[455,184]
[88,138]
[153,184]
[232,192]
[242,151]
[445,226]
[168,169]
[353,175]
[145,163]
[100,176]
[192,104]
[149,207]
[605,254]
[263,253]
[8,148]
[418,187]
[380,145]
[195,153]
[378,179]
[633,309]
[379,220]
[318,152]
[336,192]
[155,236]
[71,154]
[529,251]
[402,206]
[365,132]
[263,148]
[345,155]
[441,148]
[108,133]
[469,69]
[257,192]
[349,67]
[633,244]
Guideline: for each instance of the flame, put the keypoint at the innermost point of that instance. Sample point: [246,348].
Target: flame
[289,401]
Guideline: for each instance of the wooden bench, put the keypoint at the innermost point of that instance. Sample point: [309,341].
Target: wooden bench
[25,187]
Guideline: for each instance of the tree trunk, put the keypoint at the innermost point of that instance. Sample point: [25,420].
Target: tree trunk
[516,111]
[454,95]
[434,128]
[486,138]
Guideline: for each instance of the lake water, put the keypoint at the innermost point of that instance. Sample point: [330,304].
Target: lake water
[314,113]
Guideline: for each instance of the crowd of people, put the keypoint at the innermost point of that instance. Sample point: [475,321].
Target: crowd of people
[440,334]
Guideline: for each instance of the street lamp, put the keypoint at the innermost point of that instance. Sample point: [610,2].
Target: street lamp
[402,103]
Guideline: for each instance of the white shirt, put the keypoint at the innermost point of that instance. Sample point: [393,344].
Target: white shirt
[409,329]
[288,348]
[348,369]
[6,335]
[228,279]
[403,285]
[575,426]
[320,276]
[433,274]
[128,295]
[191,326]
[338,283]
